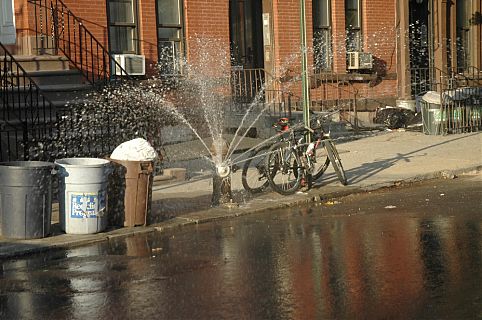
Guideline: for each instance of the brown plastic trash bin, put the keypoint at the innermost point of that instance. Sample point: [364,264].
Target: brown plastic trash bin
[131,190]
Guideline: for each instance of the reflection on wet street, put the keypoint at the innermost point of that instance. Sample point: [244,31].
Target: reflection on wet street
[409,253]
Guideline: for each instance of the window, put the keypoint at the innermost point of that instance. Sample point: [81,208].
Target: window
[353,25]
[322,35]
[170,36]
[122,26]
[463,33]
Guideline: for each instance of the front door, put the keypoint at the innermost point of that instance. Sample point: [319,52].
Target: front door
[7,22]
[420,36]
[246,33]
[246,41]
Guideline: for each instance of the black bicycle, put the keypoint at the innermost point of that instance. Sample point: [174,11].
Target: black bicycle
[292,162]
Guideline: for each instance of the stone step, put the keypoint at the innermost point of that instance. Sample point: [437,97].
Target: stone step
[40,62]
[61,93]
[57,77]
[170,175]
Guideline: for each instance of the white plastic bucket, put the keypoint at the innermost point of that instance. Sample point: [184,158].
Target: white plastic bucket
[83,194]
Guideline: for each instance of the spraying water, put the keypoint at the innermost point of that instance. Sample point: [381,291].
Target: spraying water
[198,98]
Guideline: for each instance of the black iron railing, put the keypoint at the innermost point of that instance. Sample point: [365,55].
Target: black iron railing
[26,116]
[459,99]
[422,80]
[256,86]
[247,84]
[32,128]
[330,90]
[434,79]
[461,110]
[58,30]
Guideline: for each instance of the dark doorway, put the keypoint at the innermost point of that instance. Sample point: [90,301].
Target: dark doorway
[246,33]
[419,33]
[420,47]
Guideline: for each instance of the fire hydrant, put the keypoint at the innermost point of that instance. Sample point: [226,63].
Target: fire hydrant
[222,194]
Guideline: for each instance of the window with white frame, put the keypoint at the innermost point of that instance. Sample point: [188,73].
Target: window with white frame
[322,49]
[170,36]
[122,17]
[353,25]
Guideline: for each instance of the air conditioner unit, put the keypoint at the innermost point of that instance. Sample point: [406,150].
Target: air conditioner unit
[359,60]
[133,64]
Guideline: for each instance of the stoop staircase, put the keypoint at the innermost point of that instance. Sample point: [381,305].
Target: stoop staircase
[54,77]
[63,64]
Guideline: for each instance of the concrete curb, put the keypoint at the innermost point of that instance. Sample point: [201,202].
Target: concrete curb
[12,249]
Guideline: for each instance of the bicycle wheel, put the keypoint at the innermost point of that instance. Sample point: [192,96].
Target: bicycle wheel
[335,161]
[283,168]
[320,161]
[254,177]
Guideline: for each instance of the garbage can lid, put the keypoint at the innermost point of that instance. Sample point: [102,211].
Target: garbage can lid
[432,97]
[82,162]
[27,164]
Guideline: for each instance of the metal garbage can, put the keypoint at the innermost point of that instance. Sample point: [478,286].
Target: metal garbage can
[132,189]
[26,199]
[433,116]
[83,194]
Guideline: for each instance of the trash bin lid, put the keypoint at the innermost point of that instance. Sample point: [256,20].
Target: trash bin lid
[82,162]
[27,164]
[25,173]
[432,97]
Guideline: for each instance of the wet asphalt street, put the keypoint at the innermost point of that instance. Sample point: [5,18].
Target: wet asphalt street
[404,253]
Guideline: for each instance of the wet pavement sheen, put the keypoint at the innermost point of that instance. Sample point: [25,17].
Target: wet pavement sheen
[407,253]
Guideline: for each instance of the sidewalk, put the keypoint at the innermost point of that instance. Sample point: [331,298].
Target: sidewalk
[373,162]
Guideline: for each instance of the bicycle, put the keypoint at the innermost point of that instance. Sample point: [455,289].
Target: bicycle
[253,176]
[292,163]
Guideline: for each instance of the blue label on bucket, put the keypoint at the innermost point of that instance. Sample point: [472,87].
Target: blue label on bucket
[87,205]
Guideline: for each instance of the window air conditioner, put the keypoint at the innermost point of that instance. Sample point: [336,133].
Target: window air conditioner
[133,64]
[359,60]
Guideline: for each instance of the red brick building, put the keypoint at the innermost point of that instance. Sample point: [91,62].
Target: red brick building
[360,47]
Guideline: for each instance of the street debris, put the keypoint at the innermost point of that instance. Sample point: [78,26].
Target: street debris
[396,118]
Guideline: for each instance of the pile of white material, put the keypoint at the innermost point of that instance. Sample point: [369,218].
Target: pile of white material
[134,150]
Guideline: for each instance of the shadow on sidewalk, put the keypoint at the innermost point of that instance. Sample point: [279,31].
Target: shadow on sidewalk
[367,170]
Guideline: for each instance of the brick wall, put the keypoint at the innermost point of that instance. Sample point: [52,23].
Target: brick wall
[338,34]
[208,19]
[379,33]
[148,34]
[93,15]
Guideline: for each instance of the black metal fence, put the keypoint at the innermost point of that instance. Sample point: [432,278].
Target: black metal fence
[26,116]
[461,110]
[434,79]
[32,128]
[58,30]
